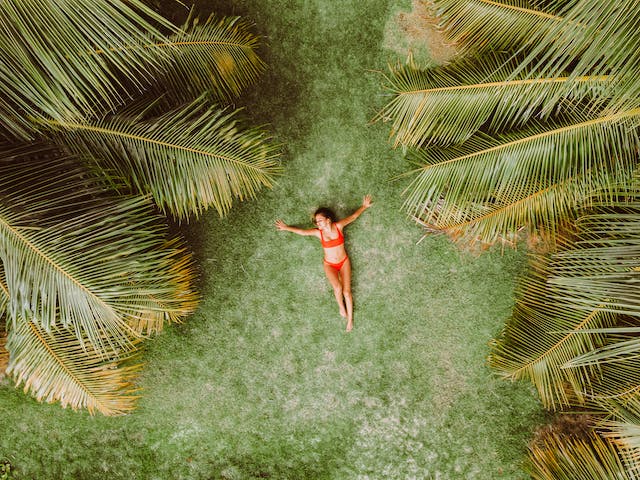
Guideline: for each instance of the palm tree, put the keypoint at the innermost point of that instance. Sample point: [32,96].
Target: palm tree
[535,129]
[110,116]
[588,458]
[519,139]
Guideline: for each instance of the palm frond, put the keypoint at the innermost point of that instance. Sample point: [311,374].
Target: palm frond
[567,458]
[189,159]
[4,293]
[538,213]
[457,186]
[623,428]
[497,25]
[219,56]
[448,104]
[78,258]
[55,365]
[619,380]
[540,338]
[4,299]
[603,267]
[594,38]
[63,61]
[173,304]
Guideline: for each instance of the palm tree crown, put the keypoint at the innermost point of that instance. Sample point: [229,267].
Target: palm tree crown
[534,129]
[99,135]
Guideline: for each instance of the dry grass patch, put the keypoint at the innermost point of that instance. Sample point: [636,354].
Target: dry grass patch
[417,35]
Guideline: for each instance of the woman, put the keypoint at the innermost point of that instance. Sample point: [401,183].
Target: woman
[336,261]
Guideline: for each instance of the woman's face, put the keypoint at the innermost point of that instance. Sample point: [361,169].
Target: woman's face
[322,221]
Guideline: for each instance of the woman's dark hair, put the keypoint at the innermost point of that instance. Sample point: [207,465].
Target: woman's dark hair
[326,213]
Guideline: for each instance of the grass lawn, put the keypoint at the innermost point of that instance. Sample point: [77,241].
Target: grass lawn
[263,382]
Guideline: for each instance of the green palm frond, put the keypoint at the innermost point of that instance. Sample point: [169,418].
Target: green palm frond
[173,304]
[595,38]
[541,336]
[75,257]
[448,104]
[189,159]
[602,269]
[604,266]
[538,212]
[218,56]
[498,25]
[63,61]
[458,186]
[571,458]
[55,365]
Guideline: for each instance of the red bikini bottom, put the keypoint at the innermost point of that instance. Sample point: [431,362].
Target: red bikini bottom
[337,266]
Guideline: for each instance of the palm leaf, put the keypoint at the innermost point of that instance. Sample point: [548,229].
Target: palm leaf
[73,256]
[4,299]
[55,366]
[540,338]
[219,56]
[601,269]
[189,159]
[590,458]
[623,428]
[4,293]
[62,60]
[448,104]
[596,37]
[173,304]
[497,25]
[620,380]
[603,266]
[538,212]
[517,175]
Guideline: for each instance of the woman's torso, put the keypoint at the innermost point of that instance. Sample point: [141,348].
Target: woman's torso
[333,245]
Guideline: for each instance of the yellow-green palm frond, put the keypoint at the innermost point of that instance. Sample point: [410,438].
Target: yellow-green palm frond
[4,299]
[497,25]
[606,35]
[4,293]
[541,336]
[448,104]
[536,212]
[175,303]
[559,457]
[604,263]
[76,258]
[602,269]
[619,380]
[511,181]
[219,56]
[622,427]
[189,159]
[56,366]
[62,60]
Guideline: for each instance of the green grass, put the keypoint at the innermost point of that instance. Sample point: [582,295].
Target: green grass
[263,382]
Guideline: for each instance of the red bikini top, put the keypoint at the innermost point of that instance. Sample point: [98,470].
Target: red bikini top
[333,242]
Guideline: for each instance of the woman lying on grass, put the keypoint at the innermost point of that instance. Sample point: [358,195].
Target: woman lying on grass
[336,262]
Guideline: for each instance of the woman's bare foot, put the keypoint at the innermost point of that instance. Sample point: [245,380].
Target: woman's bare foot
[349,325]
[343,312]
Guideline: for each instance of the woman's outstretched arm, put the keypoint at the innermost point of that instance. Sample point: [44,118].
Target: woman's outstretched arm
[280,225]
[366,203]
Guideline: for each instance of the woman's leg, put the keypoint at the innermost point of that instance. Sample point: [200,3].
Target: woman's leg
[334,280]
[345,273]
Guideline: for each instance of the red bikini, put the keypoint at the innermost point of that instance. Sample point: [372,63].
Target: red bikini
[334,243]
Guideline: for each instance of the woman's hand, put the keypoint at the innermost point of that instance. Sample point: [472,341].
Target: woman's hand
[366,201]
[280,225]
